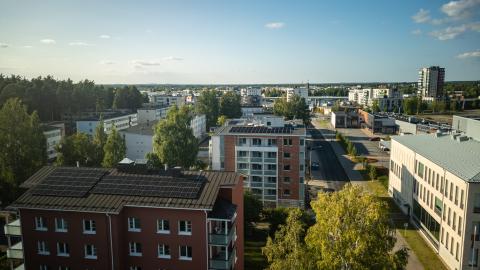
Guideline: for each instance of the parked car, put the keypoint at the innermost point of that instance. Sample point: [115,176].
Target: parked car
[374,139]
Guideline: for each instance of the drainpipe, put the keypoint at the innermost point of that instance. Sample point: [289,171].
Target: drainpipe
[111,241]
[206,238]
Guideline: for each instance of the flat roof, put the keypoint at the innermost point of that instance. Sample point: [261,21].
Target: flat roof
[109,190]
[459,158]
[142,129]
[105,116]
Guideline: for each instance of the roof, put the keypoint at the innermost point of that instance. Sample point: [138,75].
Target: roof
[223,209]
[142,129]
[260,130]
[115,190]
[459,158]
[106,116]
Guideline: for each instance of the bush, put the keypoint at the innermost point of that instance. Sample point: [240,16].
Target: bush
[372,172]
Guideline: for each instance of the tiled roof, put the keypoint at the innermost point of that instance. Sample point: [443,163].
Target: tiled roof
[113,203]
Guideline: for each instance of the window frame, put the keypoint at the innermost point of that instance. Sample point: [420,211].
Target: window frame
[187,249]
[90,248]
[64,225]
[163,222]
[65,247]
[92,226]
[163,254]
[188,227]
[133,222]
[135,249]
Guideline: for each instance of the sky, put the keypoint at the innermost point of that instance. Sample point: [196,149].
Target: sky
[239,42]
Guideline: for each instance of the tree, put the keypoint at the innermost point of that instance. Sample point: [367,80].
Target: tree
[352,231]
[114,149]
[222,119]
[22,147]
[296,108]
[410,105]
[372,172]
[252,208]
[76,148]
[375,107]
[207,103]
[230,105]
[99,140]
[288,249]
[128,97]
[173,141]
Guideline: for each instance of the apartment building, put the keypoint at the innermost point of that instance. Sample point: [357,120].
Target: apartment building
[165,100]
[118,120]
[430,83]
[151,113]
[53,132]
[272,158]
[300,91]
[128,218]
[387,98]
[435,179]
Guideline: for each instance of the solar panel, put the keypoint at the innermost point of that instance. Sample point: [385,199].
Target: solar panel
[73,182]
[150,186]
[260,129]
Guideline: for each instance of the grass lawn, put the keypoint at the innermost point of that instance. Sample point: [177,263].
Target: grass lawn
[254,258]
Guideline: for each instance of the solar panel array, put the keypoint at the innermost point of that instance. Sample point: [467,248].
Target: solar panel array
[72,182]
[150,186]
[275,130]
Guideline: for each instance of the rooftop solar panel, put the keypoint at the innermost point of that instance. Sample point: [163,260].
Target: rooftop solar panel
[266,130]
[74,182]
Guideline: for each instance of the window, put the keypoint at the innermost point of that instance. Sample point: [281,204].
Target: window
[286,192]
[460,225]
[420,169]
[441,184]
[63,249]
[135,249]
[163,226]
[446,241]
[451,191]
[456,195]
[272,142]
[90,252]
[302,142]
[271,192]
[301,167]
[272,167]
[256,179]
[271,154]
[476,203]
[241,166]
[44,267]
[185,227]
[473,260]
[135,268]
[256,154]
[286,167]
[286,155]
[42,248]
[448,220]
[40,224]
[185,253]
[454,223]
[461,199]
[89,226]
[242,141]
[286,179]
[451,245]
[272,179]
[441,238]
[134,224]
[256,166]
[438,206]
[446,187]
[164,251]
[61,225]
[63,268]
[241,153]
[256,141]
[287,142]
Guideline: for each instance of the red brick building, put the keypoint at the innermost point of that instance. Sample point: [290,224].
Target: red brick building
[88,218]
[272,158]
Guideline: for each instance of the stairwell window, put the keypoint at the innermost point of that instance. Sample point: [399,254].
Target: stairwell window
[134,224]
[185,227]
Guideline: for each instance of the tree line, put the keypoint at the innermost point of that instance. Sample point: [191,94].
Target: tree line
[52,98]
[218,107]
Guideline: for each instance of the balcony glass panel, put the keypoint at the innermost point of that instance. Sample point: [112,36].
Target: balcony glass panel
[256,159]
[266,172]
[256,172]
[221,238]
[270,160]
[221,262]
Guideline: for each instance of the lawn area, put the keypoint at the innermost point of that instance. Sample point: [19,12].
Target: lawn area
[254,258]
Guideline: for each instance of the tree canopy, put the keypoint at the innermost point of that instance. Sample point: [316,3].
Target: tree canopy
[173,142]
[22,147]
[351,231]
[207,103]
[77,148]
[295,108]
[230,105]
[114,149]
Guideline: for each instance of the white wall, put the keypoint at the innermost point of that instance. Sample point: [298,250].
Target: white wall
[138,145]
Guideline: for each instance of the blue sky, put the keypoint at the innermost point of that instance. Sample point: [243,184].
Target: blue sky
[239,41]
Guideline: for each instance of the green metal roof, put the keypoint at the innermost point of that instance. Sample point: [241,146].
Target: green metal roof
[461,158]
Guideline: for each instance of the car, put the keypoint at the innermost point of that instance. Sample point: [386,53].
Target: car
[315,166]
[374,139]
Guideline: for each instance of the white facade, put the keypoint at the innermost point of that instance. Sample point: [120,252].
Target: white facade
[53,136]
[268,120]
[138,145]
[387,98]
[148,115]
[430,82]
[301,91]
[165,100]
[120,123]
[199,125]
[441,192]
[250,91]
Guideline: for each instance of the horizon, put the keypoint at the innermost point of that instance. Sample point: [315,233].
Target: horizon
[235,43]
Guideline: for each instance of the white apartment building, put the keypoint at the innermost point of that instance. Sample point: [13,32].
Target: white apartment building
[387,98]
[54,135]
[250,91]
[165,100]
[146,115]
[300,91]
[120,121]
[199,125]
[430,83]
[435,179]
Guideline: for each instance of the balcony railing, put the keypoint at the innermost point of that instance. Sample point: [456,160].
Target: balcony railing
[270,197]
[256,159]
[269,172]
[221,262]
[15,251]
[256,172]
[270,160]
[270,185]
[221,238]
[256,184]
[13,228]
[244,171]
[242,159]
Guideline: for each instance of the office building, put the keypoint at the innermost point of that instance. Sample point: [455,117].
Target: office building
[273,158]
[430,83]
[128,218]
[435,179]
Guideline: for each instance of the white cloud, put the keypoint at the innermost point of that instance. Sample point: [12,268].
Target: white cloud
[3,45]
[417,32]
[107,62]
[460,9]
[28,46]
[469,54]
[275,25]
[145,63]
[48,41]
[105,36]
[450,32]
[421,16]
[79,43]
[172,58]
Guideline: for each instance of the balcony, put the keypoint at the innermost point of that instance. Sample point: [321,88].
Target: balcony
[270,160]
[220,261]
[242,159]
[270,197]
[256,184]
[269,172]
[256,172]
[15,251]
[221,239]
[256,159]
[270,185]
[13,228]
